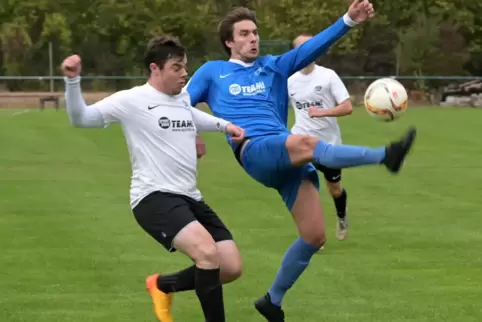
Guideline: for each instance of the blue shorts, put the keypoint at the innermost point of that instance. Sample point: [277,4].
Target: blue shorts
[266,160]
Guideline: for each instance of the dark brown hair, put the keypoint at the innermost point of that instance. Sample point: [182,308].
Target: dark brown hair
[226,26]
[162,48]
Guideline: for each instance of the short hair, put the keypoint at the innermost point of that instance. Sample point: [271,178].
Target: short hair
[303,34]
[162,48]
[226,25]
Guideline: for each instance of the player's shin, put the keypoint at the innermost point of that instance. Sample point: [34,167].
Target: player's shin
[294,263]
[345,156]
[308,216]
[210,293]
[177,282]
[195,241]
[339,200]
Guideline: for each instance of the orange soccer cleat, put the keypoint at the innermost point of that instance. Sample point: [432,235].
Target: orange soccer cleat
[162,301]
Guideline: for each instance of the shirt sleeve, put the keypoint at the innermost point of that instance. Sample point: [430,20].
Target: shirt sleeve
[303,55]
[207,123]
[198,85]
[338,89]
[98,115]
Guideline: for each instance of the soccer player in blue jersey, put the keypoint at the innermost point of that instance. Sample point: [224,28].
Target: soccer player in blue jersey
[252,92]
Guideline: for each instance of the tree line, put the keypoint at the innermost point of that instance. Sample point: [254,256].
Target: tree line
[417,37]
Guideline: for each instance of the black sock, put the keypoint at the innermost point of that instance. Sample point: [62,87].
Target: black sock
[209,290]
[340,204]
[177,282]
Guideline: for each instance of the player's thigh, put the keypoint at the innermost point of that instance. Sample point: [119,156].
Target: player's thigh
[301,196]
[265,158]
[332,179]
[291,182]
[331,175]
[196,242]
[163,216]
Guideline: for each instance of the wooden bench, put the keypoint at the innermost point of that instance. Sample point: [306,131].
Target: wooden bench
[43,97]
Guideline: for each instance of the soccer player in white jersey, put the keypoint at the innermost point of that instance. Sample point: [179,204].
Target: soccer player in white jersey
[160,128]
[318,96]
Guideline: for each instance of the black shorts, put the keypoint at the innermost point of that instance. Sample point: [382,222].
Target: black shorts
[162,215]
[331,175]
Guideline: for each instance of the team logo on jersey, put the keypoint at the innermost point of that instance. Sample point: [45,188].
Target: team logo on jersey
[164,123]
[249,90]
[307,105]
[176,125]
[235,89]
[318,88]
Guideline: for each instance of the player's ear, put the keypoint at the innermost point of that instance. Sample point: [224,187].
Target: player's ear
[229,43]
[154,68]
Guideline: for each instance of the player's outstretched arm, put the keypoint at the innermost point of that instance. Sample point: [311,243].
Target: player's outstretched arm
[98,115]
[301,56]
[79,114]
[207,123]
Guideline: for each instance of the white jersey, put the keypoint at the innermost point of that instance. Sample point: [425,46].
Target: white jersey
[321,88]
[160,131]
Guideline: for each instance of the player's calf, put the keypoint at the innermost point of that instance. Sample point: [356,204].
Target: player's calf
[195,241]
[230,261]
[309,220]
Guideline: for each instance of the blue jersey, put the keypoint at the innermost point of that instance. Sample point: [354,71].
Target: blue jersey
[255,96]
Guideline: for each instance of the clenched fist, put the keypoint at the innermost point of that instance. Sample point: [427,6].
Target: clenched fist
[71,66]
[361,10]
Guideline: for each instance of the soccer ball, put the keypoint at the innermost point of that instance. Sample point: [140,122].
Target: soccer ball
[386,99]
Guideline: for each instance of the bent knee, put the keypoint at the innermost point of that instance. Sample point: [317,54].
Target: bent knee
[315,239]
[206,255]
[301,147]
[301,143]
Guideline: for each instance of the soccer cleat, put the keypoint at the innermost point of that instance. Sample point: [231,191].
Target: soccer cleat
[397,151]
[266,308]
[342,227]
[162,301]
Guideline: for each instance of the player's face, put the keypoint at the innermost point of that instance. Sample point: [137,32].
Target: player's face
[301,40]
[245,44]
[172,78]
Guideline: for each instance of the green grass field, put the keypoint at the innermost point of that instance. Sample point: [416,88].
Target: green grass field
[71,250]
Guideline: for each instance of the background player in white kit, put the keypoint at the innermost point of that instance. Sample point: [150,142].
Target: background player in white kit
[160,127]
[318,96]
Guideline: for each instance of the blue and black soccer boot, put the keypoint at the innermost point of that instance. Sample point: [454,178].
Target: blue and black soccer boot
[396,152]
[266,308]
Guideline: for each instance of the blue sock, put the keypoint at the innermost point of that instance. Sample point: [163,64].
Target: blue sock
[294,262]
[345,156]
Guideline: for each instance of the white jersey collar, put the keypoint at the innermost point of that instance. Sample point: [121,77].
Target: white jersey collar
[240,62]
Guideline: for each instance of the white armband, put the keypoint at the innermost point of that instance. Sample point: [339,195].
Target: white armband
[348,21]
